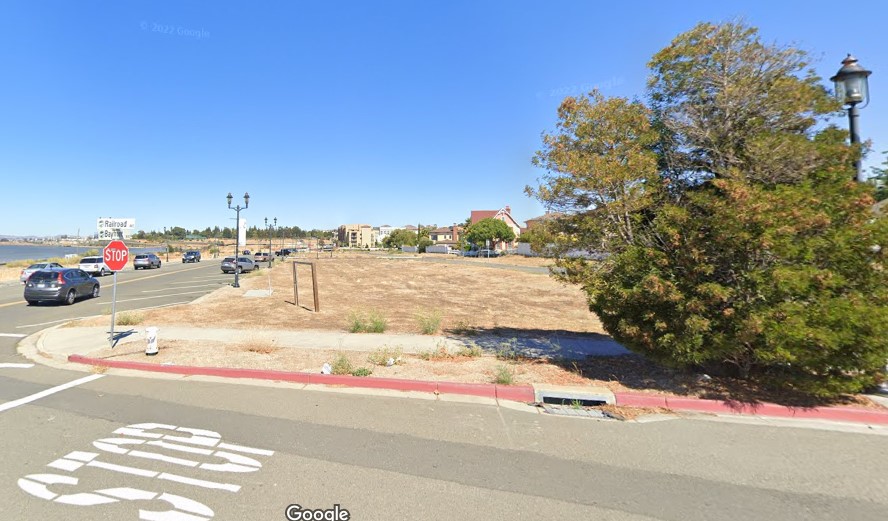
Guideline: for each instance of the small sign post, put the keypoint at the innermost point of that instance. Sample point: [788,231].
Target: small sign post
[115,255]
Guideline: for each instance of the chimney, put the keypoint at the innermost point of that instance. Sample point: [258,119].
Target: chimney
[508,210]
[455,233]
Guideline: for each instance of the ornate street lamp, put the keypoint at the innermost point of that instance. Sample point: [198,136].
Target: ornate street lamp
[852,89]
[237,209]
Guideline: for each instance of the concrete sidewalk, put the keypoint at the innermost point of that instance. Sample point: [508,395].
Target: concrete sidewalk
[60,342]
[74,345]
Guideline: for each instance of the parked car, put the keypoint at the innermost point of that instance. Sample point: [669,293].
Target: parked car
[244,264]
[487,253]
[146,260]
[191,256]
[95,266]
[61,285]
[37,267]
[260,257]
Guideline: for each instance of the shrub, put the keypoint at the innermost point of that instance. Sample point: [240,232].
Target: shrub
[382,355]
[362,371]
[503,375]
[429,322]
[377,322]
[128,318]
[341,365]
[470,351]
[374,322]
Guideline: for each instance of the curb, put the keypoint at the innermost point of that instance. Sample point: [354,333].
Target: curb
[517,393]
[838,414]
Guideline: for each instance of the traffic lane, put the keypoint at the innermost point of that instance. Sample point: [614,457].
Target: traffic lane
[332,448]
[135,290]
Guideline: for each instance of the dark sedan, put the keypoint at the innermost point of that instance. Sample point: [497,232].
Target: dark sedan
[61,285]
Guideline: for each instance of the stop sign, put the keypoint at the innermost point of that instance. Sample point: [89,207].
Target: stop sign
[115,255]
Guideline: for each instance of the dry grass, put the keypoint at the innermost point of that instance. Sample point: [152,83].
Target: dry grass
[468,295]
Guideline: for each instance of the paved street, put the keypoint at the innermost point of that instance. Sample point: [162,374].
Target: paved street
[123,446]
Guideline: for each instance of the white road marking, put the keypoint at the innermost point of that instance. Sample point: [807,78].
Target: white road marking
[52,390]
[15,366]
[179,287]
[51,322]
[156,296]
[13,335]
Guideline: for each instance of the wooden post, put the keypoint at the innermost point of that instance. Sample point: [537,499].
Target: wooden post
[314,286]
[295,284]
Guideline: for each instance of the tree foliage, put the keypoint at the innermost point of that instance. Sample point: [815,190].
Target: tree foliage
[738,238]
[489,229]
[399,238]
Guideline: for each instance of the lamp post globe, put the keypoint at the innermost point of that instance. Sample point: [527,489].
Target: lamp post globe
[852,90]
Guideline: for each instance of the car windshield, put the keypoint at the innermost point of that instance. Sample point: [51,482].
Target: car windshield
[90,260]
[228,259]
[36,266]
[141,256]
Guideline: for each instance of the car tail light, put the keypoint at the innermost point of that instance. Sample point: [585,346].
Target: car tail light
[60,281]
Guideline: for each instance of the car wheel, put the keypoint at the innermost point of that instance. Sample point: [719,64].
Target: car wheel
[159,264]
[95,291]
[32,302]
[102,272]
[70,297]
[240,269]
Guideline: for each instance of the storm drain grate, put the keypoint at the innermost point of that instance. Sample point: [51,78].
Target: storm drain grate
[577,411]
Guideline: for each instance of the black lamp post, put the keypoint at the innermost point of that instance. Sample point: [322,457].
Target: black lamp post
[852,88]
[237,209]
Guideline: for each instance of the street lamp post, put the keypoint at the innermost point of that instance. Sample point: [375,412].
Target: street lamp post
[852,88]
[268,230]
[237,210]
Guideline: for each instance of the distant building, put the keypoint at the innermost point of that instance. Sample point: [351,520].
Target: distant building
[356,235]
[503,214]
[448,235]
[536,221]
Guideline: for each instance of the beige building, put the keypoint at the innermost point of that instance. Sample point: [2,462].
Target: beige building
[357,236]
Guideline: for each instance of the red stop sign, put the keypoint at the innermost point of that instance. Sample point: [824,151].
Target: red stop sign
[115,255]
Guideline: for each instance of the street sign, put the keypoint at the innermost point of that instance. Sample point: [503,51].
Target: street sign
[115,255]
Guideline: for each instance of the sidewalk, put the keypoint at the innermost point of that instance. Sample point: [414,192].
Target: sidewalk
[74,345]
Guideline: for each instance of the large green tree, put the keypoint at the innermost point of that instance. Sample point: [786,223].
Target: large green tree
[399,238]
[737,237]
[489,229]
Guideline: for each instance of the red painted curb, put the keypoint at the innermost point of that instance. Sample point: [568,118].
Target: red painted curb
[515,393]
[843,414]
[485,390]
[376,383]
[396,384]
[640,400]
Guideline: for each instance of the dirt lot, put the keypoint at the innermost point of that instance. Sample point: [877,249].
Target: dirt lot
[471,297]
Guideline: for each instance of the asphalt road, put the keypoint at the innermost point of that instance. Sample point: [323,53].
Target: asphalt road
[126,447]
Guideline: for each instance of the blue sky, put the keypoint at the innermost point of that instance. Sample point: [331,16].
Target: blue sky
[334,112]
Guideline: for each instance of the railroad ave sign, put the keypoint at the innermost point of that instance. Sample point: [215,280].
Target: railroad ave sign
[115,254]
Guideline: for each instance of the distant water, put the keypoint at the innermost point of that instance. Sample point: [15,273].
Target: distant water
[10,252]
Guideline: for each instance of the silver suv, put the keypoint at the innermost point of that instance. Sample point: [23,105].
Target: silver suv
[146,260]
[243,264]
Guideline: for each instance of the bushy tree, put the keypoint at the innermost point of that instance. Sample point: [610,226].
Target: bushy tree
[399,238]
[489,229]
[738,238]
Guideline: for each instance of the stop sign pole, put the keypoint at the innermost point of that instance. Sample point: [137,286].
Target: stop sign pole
[115,255]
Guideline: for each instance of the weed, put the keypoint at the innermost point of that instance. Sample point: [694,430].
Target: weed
[341,365]
[429,321]
[261,349]
[378,323]
[509,351]
[463,327]
[362,371]
[576,404]
[356,323]
[374,322]
[439,353]
[470,351]
[382,355]
[129,319]
[99,369]
[503,375]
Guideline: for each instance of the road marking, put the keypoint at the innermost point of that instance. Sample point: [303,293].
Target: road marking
[52,390]
[15,366]
[13,335]
[178,287]
[52,322]
[157,296]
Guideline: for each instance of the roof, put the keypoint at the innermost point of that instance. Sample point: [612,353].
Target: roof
[477,215]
